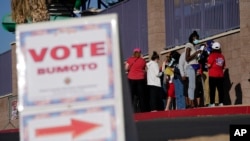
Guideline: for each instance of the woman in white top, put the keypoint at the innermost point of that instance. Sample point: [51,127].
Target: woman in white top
[192,65]
[154,83]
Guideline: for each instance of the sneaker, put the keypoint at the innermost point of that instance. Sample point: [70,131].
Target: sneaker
[76,11]
[221,104]
[211,105]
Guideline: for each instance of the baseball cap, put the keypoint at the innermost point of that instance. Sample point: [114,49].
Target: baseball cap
[137,50]
[216,46]
[12,43]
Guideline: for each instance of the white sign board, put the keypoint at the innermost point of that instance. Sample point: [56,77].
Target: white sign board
[69,65]
[67,125]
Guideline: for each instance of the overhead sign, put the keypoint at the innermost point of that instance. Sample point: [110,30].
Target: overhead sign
[65,65]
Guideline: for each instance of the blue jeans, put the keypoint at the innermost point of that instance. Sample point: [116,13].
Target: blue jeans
[179,94]
[191,82]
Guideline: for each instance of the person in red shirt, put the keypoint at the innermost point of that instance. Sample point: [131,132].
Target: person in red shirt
[135,67]
[216,64]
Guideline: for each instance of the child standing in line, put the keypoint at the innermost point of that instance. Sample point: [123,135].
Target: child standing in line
[169,72]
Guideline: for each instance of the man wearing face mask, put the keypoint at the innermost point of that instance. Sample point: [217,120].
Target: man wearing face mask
[192,65]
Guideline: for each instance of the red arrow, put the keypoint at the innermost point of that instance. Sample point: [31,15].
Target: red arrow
[77,128]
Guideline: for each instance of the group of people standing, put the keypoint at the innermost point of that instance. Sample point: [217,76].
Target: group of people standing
[181,81]
[202,70]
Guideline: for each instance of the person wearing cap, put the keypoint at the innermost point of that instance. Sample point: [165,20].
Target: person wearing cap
[192,65]
[216,64]
[135,67]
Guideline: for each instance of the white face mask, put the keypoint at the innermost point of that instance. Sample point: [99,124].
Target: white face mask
[196,41]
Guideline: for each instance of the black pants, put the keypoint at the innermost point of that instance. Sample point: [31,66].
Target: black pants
[216,82]
[138,95]
[155,98]
[198,87]
[185,87]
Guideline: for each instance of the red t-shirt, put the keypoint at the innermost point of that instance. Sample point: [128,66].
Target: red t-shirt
[136,68]
[217,64]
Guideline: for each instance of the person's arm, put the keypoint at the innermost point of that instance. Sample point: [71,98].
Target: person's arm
[181,66]
[190,56]
[167,77]
[155,70]
[163,66]
[208,65]
[126,66]
[209,62]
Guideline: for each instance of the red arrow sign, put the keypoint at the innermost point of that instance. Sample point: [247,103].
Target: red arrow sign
[77,128]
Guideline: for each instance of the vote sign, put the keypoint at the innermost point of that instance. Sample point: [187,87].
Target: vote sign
[68,63]
[69,80]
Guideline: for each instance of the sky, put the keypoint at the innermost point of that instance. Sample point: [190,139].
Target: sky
[5,37]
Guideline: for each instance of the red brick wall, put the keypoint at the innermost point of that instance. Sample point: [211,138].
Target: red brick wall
[244,43]
[156,26]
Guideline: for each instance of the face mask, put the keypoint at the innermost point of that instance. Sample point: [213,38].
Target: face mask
[196,41]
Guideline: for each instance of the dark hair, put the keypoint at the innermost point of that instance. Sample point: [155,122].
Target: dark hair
[191,36]
[209,43]
[155,56]
[176,55]
[216,50]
